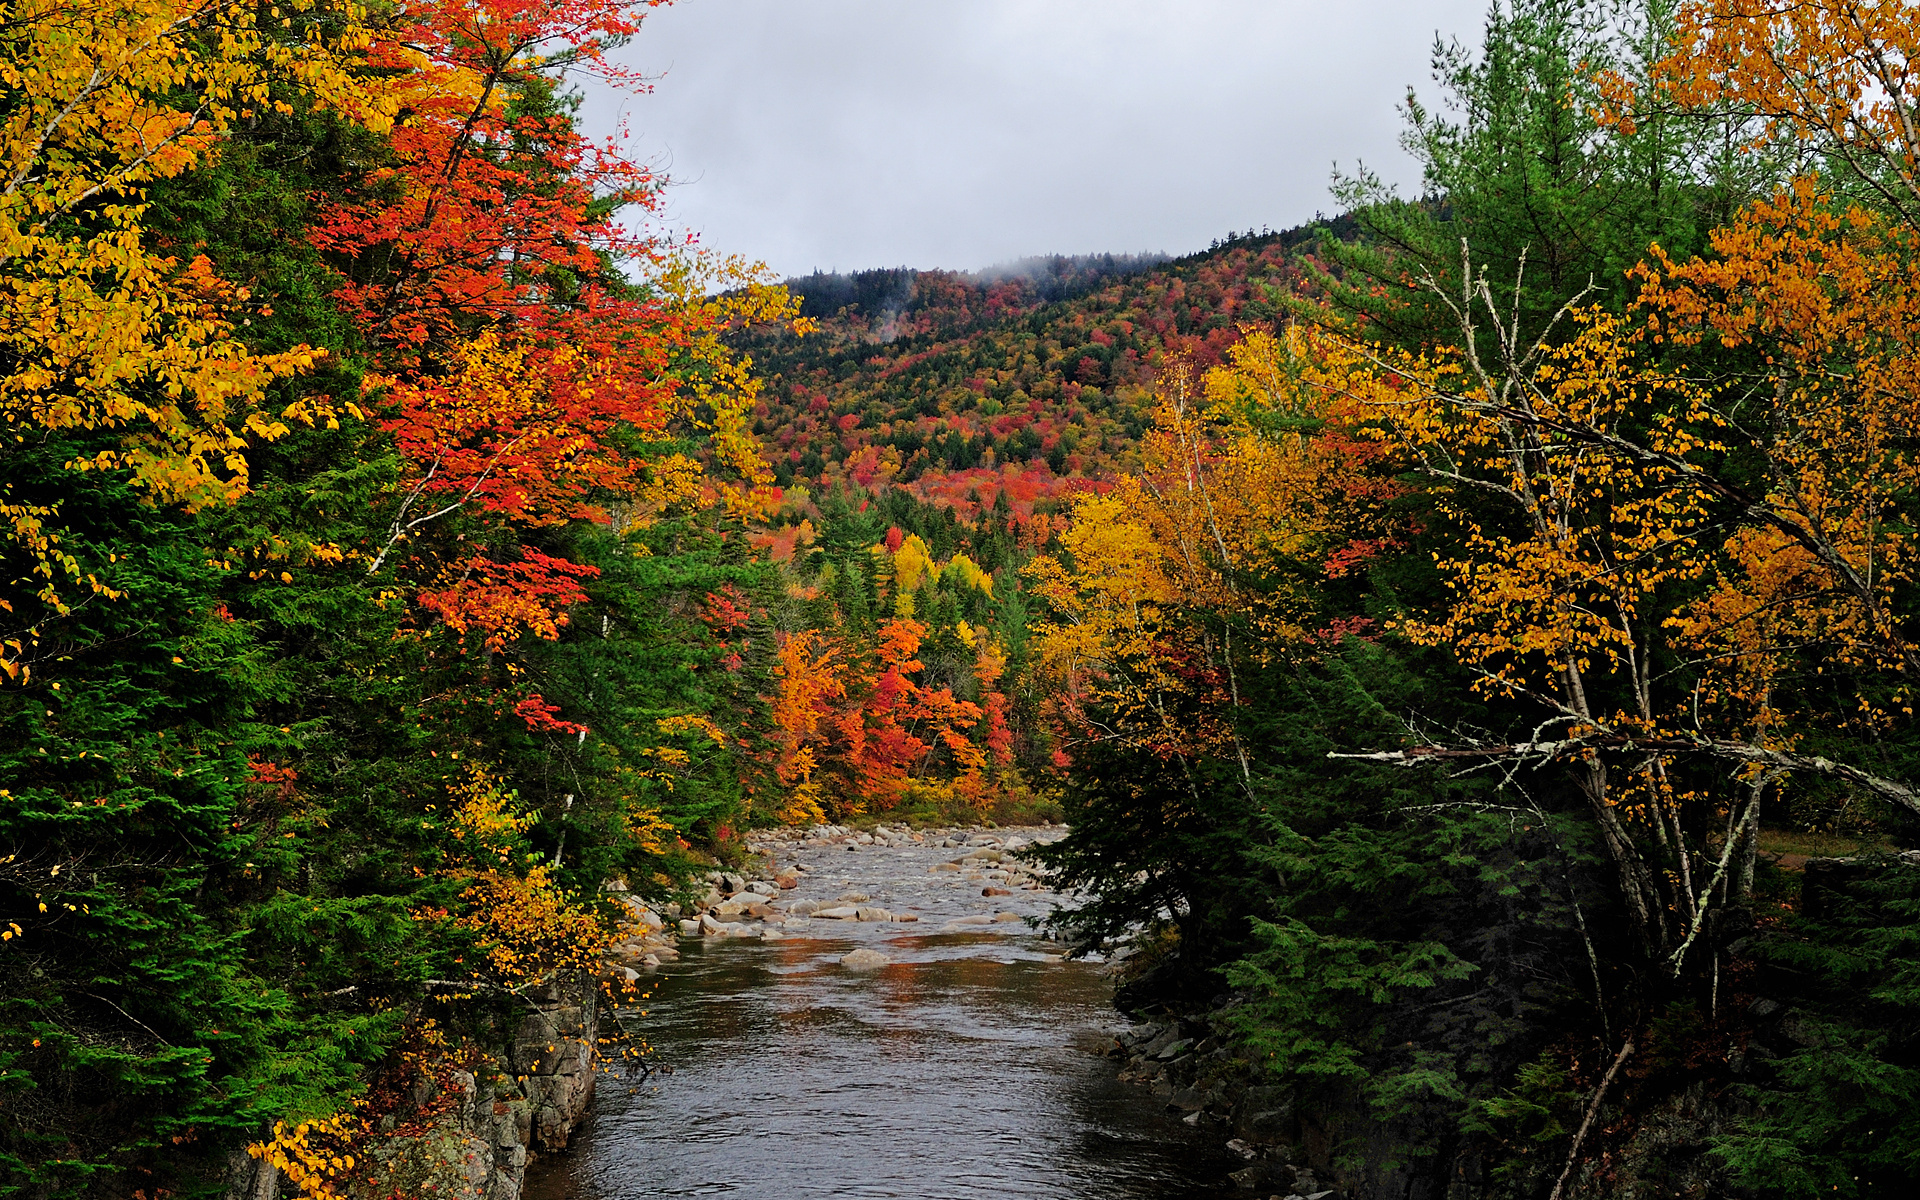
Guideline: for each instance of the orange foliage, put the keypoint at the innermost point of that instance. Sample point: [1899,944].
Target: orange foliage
[861,720]
[504,600]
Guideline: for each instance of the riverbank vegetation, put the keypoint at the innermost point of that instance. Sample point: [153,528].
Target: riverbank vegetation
[1437,670]
[372,485]
[1461,635]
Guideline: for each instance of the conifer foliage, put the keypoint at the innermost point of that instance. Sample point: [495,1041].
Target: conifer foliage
[1428,623]
[1613,430]
[367,463]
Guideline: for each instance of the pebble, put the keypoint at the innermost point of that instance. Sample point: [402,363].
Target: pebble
[864,958]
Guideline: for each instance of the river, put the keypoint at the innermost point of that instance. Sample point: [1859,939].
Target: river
[967,1068]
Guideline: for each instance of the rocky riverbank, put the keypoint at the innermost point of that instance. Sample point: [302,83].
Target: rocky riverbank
[469,1134]
[1194,1072]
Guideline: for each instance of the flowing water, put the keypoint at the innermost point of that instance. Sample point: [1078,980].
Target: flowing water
[967,1068]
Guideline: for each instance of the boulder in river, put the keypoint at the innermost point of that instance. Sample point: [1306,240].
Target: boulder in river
[865,913]
[864,959]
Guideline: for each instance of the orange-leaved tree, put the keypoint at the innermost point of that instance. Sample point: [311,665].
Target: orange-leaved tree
[525,379]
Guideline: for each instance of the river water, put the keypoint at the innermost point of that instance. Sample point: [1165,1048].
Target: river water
[967,1068]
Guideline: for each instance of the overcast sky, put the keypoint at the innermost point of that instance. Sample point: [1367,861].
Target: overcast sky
[844,134]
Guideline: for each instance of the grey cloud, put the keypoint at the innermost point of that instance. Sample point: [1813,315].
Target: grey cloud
[844,134]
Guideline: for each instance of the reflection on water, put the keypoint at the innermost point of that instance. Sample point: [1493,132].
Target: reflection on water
[966,1069]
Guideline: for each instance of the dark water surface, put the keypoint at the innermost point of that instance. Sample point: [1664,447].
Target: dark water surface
[966,1069]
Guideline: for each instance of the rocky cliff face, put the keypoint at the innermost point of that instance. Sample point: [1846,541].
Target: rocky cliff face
[470,1137]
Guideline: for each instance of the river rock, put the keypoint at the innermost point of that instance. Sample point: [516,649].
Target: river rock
[759,887]
[906,916]
[1005,917]
[771,935]
[853,897]
[1249,1178]
[708,925]
[871,914]
[995,891]
[639,913]
[844,912]
[864,959]
[787,879]
[803,908]
[731,883]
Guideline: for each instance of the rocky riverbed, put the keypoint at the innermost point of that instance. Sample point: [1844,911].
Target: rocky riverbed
[835,882]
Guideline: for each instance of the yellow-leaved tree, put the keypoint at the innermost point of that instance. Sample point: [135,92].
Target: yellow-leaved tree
[1658,553]
[101,331]
[1251,491]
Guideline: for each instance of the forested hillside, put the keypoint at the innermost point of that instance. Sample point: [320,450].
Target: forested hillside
[933,375]
[1450,629]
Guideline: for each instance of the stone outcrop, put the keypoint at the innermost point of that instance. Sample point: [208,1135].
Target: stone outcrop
[479,1129]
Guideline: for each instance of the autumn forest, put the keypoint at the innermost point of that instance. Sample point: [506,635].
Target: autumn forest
[1472,639]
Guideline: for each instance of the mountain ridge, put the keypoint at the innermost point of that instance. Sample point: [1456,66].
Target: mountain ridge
[953,383]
